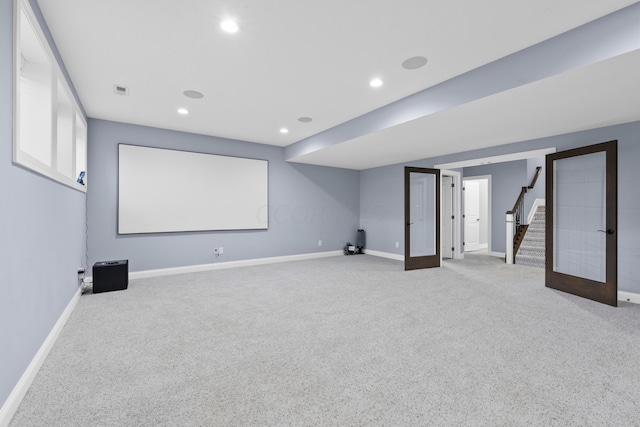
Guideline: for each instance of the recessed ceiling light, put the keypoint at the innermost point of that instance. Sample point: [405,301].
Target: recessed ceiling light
[304,119]
[414,62]
[375,83]
[183,111]
[230,26]
[193,94]
[284,130]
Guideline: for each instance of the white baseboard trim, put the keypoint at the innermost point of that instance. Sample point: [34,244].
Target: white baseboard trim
[231,264]
[384,254]
[629,297]
[12,403]
[401,257]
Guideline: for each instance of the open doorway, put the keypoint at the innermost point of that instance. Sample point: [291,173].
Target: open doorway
[496,230]
[477,213]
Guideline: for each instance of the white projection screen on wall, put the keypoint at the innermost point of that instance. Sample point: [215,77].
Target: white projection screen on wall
[162,190]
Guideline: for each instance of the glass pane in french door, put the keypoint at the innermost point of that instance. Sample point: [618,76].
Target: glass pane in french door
[579,216]
[422,196]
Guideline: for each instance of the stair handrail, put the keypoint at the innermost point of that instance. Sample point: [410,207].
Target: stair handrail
[518,201]
[535,177]
[524,190]
[516,221]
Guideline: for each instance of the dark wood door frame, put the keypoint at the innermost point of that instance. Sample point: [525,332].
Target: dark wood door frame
[607,292]
[414,263]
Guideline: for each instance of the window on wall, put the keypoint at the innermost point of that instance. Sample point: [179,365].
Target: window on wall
[50,132]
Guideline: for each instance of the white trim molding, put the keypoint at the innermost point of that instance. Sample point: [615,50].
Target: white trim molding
[384,255]
[629,297]
[497,159]
[12,403]
[231,264]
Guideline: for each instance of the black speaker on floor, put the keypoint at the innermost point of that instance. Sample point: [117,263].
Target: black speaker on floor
[110,276]
[360,241]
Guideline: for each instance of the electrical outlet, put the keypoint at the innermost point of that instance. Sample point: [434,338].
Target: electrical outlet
[220,250]
[397,244]
[319,242]
[216,251]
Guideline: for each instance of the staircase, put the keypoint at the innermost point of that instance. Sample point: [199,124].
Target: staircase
[531,251]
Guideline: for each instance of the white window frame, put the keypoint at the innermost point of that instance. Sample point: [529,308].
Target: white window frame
[78,120]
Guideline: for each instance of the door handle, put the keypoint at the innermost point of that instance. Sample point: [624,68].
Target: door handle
[608,231]
[409,223]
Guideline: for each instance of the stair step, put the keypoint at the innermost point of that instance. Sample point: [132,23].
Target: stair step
[533,240]
[531,243]
[536,234]
[530,261]
[536,227]
[530,256]
[532,251]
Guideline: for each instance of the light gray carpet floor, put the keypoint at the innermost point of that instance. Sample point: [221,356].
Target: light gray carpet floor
[343,341]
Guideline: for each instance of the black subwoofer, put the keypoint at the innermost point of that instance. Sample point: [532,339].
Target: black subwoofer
[110,276]
[360,239]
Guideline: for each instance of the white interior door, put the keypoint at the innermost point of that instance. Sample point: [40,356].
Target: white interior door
[472,215]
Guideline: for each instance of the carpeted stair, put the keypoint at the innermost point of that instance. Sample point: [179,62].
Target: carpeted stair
[531,251]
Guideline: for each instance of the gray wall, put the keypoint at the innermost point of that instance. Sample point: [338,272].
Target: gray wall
[41,240]
[381,194]
[507,179]
[538,190]
[306,204]
[382,207]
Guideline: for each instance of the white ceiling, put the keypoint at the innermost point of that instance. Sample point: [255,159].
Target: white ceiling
[602,94]
[294,58]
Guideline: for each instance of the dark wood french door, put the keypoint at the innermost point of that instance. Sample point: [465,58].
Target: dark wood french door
[422,218]
[581,222]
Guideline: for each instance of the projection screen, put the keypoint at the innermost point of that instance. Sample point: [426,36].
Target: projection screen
[162,190]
